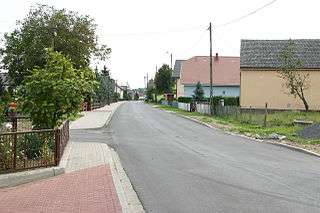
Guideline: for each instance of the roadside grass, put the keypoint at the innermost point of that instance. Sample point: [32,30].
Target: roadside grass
[206,120]
[73,118]
[279,122]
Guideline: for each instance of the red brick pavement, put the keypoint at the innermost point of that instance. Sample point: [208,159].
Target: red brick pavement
[87,190]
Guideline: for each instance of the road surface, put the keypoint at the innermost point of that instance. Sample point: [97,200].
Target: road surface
[177,165]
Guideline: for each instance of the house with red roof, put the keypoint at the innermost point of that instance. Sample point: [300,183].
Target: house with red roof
[225,70]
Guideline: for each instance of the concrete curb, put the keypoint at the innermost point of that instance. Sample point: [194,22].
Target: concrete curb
[15,179]
[111,115]
[122,182]
[294,148]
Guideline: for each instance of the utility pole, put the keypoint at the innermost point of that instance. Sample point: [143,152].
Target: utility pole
[147,81]
[155,85]
[211,90]
[54,34]
[171,74]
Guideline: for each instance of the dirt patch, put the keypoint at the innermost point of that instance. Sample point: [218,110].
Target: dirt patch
[212,122]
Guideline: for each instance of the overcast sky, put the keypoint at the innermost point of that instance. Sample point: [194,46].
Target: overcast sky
[141,32]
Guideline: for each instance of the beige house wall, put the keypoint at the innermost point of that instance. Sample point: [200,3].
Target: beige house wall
[260,86]
[180,88]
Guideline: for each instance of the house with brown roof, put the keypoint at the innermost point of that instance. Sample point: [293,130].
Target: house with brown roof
[225,70]
[260,82]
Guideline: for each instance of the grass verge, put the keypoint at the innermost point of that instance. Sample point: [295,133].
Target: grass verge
[280,123]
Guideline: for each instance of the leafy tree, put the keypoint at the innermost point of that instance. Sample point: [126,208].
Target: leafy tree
[164,79]
[56,90]
[136,96]
[295,81]
[104,91]
[5,99]
[2,88]
[198,92]
[116,96]
[75,37]
[125,95]
[150,92]
[129,96]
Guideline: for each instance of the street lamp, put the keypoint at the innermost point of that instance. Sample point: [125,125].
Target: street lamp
[170,86]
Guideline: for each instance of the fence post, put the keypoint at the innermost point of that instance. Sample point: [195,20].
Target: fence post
[250,112]
[15,151]
[265,115]
[57,147]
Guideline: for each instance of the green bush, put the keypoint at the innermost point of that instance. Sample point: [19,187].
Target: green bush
[40,145]
[185,99]
[228,101]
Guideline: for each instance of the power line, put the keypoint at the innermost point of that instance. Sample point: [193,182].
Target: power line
[227,44]
[193,45]
[152,33]
[242,17]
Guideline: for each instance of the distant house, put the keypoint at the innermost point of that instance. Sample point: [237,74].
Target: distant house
[176,75]
[259,79]
[118,89]
[226,75]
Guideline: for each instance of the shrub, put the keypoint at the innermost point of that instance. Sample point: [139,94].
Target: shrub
[185,99]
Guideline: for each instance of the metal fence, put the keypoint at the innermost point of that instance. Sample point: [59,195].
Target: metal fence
[258,117]
[32,149]
[92,106]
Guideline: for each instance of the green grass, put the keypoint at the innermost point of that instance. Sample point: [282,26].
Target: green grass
[206,120]
[73,118]
[280,122]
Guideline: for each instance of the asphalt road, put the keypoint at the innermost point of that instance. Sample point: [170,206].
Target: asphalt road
[177,165]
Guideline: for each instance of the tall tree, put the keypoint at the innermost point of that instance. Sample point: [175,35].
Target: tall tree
[296,81]
[150,92]
[198,92]
[104,91]
[73,34]
[2,88]
[164,79]
[58,89]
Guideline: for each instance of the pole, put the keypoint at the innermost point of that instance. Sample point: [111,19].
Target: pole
[54,33]
[171,60]
[171,74]
[155,85]
[211,91]
[265,115]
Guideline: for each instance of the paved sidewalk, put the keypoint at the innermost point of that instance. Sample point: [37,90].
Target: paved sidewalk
[91,182]
[96,118]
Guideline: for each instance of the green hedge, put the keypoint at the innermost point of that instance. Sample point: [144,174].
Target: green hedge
[185,99]
[228,101]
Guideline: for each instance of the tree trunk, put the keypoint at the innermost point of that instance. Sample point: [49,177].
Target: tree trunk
[306,106]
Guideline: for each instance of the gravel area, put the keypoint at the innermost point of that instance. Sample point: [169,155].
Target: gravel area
[311,132]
